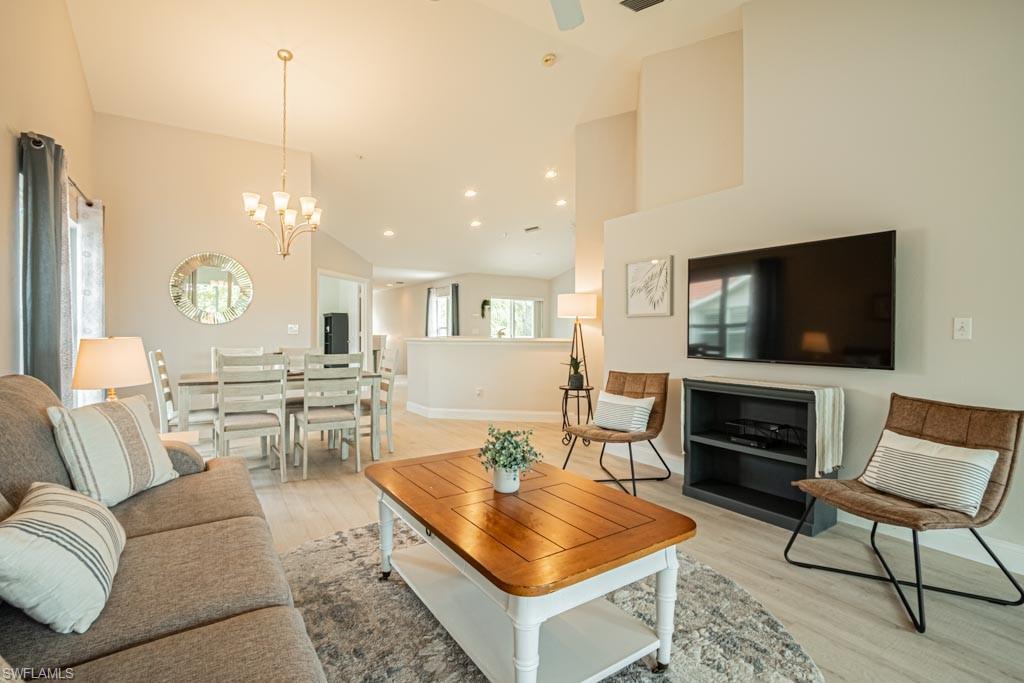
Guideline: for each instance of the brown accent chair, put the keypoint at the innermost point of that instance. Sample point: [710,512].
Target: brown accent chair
[947,423]
[633,385]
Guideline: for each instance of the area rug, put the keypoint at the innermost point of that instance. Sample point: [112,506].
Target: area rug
[368,630]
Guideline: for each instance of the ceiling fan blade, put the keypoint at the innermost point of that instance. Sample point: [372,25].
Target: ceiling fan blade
[568,13]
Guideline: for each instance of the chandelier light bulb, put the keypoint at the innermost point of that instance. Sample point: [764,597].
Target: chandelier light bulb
[289,217]
[307,204]
[260,214]
[250,200]
[314,218]
[281,201]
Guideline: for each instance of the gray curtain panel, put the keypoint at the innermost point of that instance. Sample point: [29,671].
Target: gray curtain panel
[454,323]
[430,300]
[46,286]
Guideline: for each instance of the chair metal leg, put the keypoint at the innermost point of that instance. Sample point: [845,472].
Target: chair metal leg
[632,473]
[569,454]
[917,620]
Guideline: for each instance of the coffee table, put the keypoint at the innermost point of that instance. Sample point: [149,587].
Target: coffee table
[518,579]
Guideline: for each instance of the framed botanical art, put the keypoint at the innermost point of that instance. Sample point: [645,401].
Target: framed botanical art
[649,287]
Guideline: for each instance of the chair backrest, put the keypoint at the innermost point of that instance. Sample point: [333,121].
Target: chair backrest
[232,351]
[642,385]
[162,387]
[251,384]
[387,374]
[968,427]
[331,380]
[296,356]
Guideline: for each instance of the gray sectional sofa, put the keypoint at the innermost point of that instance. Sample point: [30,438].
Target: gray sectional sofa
[200,593]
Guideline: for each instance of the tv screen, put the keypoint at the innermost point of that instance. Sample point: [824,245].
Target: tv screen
[816,303]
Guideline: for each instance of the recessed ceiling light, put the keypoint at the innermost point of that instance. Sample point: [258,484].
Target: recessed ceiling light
[470,193]
[561,202]
[389,233]
[391,284]
[654,261]
[549,59]
[475,224]
[551,173]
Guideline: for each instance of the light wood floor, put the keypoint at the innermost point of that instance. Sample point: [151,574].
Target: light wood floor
[854,629]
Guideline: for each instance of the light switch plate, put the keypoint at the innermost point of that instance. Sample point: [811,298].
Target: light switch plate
[293,328]
[963,328]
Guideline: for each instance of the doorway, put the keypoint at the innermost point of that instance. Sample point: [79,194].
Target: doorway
[341,313]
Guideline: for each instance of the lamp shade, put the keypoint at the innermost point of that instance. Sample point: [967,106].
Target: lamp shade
[578,305]
[110,362]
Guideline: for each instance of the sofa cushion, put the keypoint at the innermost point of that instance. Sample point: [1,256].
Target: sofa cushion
[223,491]
[266,645]
[28,452]
[167,583]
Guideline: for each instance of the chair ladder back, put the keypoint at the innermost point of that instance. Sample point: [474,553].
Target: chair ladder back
[162,387]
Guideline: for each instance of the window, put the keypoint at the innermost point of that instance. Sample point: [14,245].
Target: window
[516,318]
[439,311]
[719,312]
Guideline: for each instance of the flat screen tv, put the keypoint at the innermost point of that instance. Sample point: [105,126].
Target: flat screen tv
[817,303]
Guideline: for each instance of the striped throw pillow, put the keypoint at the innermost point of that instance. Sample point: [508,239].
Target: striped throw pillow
[943,476]
[111,449]
[58,555]
[621,413]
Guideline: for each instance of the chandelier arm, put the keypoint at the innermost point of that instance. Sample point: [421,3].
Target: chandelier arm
[274,233]
[299,230]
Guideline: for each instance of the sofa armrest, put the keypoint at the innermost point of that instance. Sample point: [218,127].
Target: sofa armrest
[184,458]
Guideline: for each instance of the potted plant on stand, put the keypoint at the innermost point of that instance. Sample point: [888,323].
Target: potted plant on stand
[575,376]
[508,453]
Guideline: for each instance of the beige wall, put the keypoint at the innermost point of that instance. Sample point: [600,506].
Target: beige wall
[605,188]
[401,312]
[851,129]
[170,193]
[43,90]
[560,284]
[690,121]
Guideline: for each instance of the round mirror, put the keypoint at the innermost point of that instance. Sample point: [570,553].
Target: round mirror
[211,288]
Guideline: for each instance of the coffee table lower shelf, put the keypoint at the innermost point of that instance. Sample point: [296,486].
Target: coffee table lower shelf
[586,643]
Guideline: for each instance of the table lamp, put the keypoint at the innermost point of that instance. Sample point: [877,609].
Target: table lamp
[578,306]
[110,363]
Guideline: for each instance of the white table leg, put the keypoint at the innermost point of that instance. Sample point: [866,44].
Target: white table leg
[375,413]
[387,535]
[184,407]
[526,655]
[665,594]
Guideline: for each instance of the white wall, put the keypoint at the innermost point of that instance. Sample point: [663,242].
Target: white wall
[330,255]
[170,193]
[43,90]
[338,295]
[860,117]
[560,284]
[401,312]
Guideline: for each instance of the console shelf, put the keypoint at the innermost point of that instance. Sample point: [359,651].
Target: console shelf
[753,481]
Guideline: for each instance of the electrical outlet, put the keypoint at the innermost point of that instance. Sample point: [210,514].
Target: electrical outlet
[479,392]
[293,328]
[963,328]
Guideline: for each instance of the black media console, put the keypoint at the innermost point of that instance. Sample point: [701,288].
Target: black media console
[744,444]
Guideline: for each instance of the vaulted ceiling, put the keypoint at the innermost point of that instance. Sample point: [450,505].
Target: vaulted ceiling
[404,104]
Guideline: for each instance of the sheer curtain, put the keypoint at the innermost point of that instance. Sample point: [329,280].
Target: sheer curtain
[87,281]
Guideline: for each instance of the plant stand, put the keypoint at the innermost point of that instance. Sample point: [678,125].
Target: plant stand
[580,395]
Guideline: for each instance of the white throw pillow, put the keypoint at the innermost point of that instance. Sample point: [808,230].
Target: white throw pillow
[58,556]
[621,413]
[943,476]
[111,449]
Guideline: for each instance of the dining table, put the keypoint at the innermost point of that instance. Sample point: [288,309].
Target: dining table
[203,383]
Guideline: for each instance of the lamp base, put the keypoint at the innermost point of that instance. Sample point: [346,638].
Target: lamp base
[111,394]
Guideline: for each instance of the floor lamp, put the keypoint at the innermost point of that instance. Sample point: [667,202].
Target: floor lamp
[578,306]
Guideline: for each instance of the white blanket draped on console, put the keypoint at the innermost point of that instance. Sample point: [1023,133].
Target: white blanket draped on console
[829,409]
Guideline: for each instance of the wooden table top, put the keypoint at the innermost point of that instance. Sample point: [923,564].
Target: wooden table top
[559,528]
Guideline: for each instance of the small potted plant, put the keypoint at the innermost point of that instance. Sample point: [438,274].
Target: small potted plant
[575,376]
[508,453]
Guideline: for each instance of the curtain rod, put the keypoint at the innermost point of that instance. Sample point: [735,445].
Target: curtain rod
[88,202]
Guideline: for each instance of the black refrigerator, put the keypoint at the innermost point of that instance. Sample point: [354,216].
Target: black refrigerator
[335,332]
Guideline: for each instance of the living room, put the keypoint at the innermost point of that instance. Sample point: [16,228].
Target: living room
[492,183]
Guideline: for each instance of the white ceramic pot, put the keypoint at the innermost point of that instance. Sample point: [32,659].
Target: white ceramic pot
[506,480]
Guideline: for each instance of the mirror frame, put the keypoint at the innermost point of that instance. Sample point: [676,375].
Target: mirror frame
[208,258]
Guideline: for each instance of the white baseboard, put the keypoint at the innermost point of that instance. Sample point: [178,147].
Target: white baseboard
[959,542]
[643,453]
[483,414]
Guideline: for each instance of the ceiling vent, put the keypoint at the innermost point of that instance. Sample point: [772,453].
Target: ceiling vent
[533,228]
[637,5]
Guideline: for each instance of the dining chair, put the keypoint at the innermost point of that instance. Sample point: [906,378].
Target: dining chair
[250,402]
[165,400]
[330,388]
[387,397]
[232,351]
[296,357]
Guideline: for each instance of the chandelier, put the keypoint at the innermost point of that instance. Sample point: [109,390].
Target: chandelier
[289,227]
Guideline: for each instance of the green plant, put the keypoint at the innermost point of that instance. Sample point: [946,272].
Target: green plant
[509,449]
[574,365]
